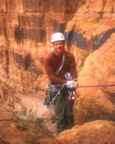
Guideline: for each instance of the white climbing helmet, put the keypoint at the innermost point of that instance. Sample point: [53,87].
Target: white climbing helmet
[57,37]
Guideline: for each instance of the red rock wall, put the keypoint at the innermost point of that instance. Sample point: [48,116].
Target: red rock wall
[26,27]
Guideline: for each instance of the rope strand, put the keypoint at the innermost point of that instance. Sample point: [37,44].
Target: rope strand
[90,86]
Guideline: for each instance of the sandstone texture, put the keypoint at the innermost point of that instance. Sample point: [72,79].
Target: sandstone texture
[17,128]
[94,132]
[98,72]
[25,30]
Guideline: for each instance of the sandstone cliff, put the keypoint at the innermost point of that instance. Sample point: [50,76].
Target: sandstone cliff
[89,27]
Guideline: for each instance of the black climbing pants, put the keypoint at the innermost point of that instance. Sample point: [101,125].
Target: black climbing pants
[63,111]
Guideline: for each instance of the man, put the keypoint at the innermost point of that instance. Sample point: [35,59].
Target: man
[58,64]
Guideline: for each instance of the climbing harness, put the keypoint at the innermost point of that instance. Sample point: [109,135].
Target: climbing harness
[52,92]
[59,92]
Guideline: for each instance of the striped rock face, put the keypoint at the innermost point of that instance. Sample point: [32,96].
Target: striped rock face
[26,27]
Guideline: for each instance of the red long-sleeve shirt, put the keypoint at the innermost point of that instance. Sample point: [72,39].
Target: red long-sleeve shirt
[52,63]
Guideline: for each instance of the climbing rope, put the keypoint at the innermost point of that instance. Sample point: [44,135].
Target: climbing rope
[90,86]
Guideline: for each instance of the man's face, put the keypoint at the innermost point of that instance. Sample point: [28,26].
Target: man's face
[59,47]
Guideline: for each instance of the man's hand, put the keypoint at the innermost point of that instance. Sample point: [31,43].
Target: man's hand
[71,96]
[71,84]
